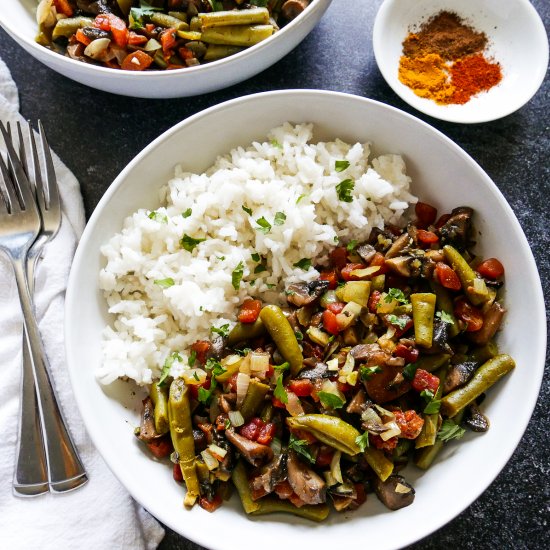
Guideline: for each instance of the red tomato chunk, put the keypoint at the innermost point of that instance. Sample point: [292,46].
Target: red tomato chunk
[250,311]
[423,380]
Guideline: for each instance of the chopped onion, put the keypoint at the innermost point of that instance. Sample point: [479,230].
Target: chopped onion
[294,407]
[347,375]
[209,460]
[174,457]
[244,367]
[259,363]
[193,377]
[96,48]
[384,413]
[333,364]
[335,467]
[217,452]
[236,418]
[243,380]
[402,489]
[392,430]
[332,387]
[44,14]
[231,360]
[329,479]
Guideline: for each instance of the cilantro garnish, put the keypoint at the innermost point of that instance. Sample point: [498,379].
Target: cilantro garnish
[400,322]
[302,196]
[275,143]
[237,275]
[205,395]
[264,225]
[304,263]
[282,367]
[330,401]
[161,218]
[396,294]
[428,395]
[260,268]
[433,406]
[344,189]
[300,447]
[280,392]
[255,256]
[169,361]
[222,331]
[247,210]
[366,372]
[450,430]
[192,358]
[189,243]
[409,371]
[445,317]
[341,165]
[165,283]
[351,246]
[215,367]
[362,441]
[280,218]
[187,213]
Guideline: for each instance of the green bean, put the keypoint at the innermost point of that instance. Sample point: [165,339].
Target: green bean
[234,17]
[125,6]
[181,15]
[237,35]
[432,362]
[240,480]
[189,35]
[467,276]
[68,26]
[282,334]
[329,429]
[382,466]
[423,304]
[159,396]
[444,302]
[428,434]
[168,22]
[219,51]
[378,282]
[270,505]
[244,331]
[267,411]
[490,372]
[253,399]
[181,431]
[484,353]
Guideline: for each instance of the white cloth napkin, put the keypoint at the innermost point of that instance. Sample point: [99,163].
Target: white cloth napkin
[100,515]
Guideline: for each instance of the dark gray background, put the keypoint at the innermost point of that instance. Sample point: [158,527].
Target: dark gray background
[96,134]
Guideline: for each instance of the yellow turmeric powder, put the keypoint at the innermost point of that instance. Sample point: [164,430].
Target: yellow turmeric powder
[427,76]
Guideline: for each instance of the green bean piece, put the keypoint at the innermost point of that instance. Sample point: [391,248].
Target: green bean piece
[181,15]
[219,51]
[444,302]
[382,466]
[125,6]
[168,22]
[68,26]
[484,353]
[252,16]
[378,282]
[231,364]
[432,362]
[428,435]
[423,305]
[467,276]
[282,334]
[159,396]
[253,399]
[237,35]
[271,505]
[267,411]
[329,429]
[240,480]
[181,431]
[488,374]
[190,35]
[244,331]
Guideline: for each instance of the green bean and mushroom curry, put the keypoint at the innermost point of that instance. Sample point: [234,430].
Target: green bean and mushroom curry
[159,34]
[378,363]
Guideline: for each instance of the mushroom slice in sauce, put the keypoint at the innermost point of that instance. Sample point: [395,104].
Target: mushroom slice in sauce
[395,492]
[308,485]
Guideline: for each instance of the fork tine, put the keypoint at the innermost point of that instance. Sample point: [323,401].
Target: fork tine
[53,200]
[8,191]
[22,152]
[38,184]
[21,180]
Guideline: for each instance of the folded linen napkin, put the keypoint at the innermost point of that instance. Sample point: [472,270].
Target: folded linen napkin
[101,515]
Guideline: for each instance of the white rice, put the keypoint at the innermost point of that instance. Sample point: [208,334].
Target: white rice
[285,174]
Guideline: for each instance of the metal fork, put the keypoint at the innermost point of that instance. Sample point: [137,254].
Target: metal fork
[20,224]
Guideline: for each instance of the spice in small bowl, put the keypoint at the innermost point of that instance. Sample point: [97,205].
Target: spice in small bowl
[445,61]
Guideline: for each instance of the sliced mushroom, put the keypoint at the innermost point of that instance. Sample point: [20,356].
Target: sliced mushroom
[293,8]
[401,265]
[147,431]
[253,452]
[456,230]
[357,403]
[319,371]
[200,439]
[458,375]
[308,485]
[402,242]
[395,492]
[475,419]
[302,294]
[270,475]
[366,252]
[371,354]
[441,336]
[387,385]
[491,323]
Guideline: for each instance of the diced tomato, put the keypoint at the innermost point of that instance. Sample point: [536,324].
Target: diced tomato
[221,421]
[114,24]
[466,312]
[267,433]
[82,38]
[344,387]
[442,220]
[136,61]
[324,456]
[64,7]
[426,237]
[424,380]
[379,443]
[296,500]
[346,272]
[176,473]
[302,388]
[277,403]
[339,257]
[409,422]
[161,447]
[283,489]
[149,27]
[447,276]
[232,382]
[410,354]
[336,307]
[491,268]
[201,348]
[251,430]
[250,311]
[194,388]
[185,53]
[361,494]
[135,39]
[329,322]
[379,260]
[425,213]
[211,505]
[168,41]
[399,331]
[331,277]
[374,300]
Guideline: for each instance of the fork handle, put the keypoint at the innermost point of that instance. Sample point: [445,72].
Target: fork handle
[65,470]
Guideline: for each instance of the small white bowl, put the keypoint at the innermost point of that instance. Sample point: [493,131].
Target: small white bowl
[517,40]
[462,471]
[18,19]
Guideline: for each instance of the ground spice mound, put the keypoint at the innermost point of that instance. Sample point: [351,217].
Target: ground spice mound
[465,77]
[447,35]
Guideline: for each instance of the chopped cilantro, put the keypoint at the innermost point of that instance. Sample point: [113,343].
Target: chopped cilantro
[280,392]
[215,367]
[344,189]
[330,401]
[227,424]
[299,335]
[189,243]
[187,213]
[409,371]
[341,165]
[302,196]
[433,406]
[366,372]
[192,358]
[428,395]
[304,263]
[196,376]
[275,143]
[362,441]
[270,285]
[264,225]
[300,447]
[222,331]
[445,317]
[450,430]
[351,246]
[400,322]
[156,216]
[169,361]
[165,283]
[282,367]
[396,294]
[220,258]
[336,238]
[260,268]
[237,275]
[280,218]
[204,394]
[255,256]
[247,210]
[137,14]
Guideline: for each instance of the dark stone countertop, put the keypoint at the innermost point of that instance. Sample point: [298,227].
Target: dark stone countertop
[97,134]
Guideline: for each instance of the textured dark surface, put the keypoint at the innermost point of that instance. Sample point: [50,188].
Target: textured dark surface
[96,134]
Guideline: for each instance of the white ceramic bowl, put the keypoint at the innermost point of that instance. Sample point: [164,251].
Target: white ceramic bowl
[517,39]
[443,175]
[17,17]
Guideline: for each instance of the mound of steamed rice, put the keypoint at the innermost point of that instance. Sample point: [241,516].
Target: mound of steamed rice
[164,297]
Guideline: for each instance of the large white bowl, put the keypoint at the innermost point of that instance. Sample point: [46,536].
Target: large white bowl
[17,17]
[443,175]
[517,40]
